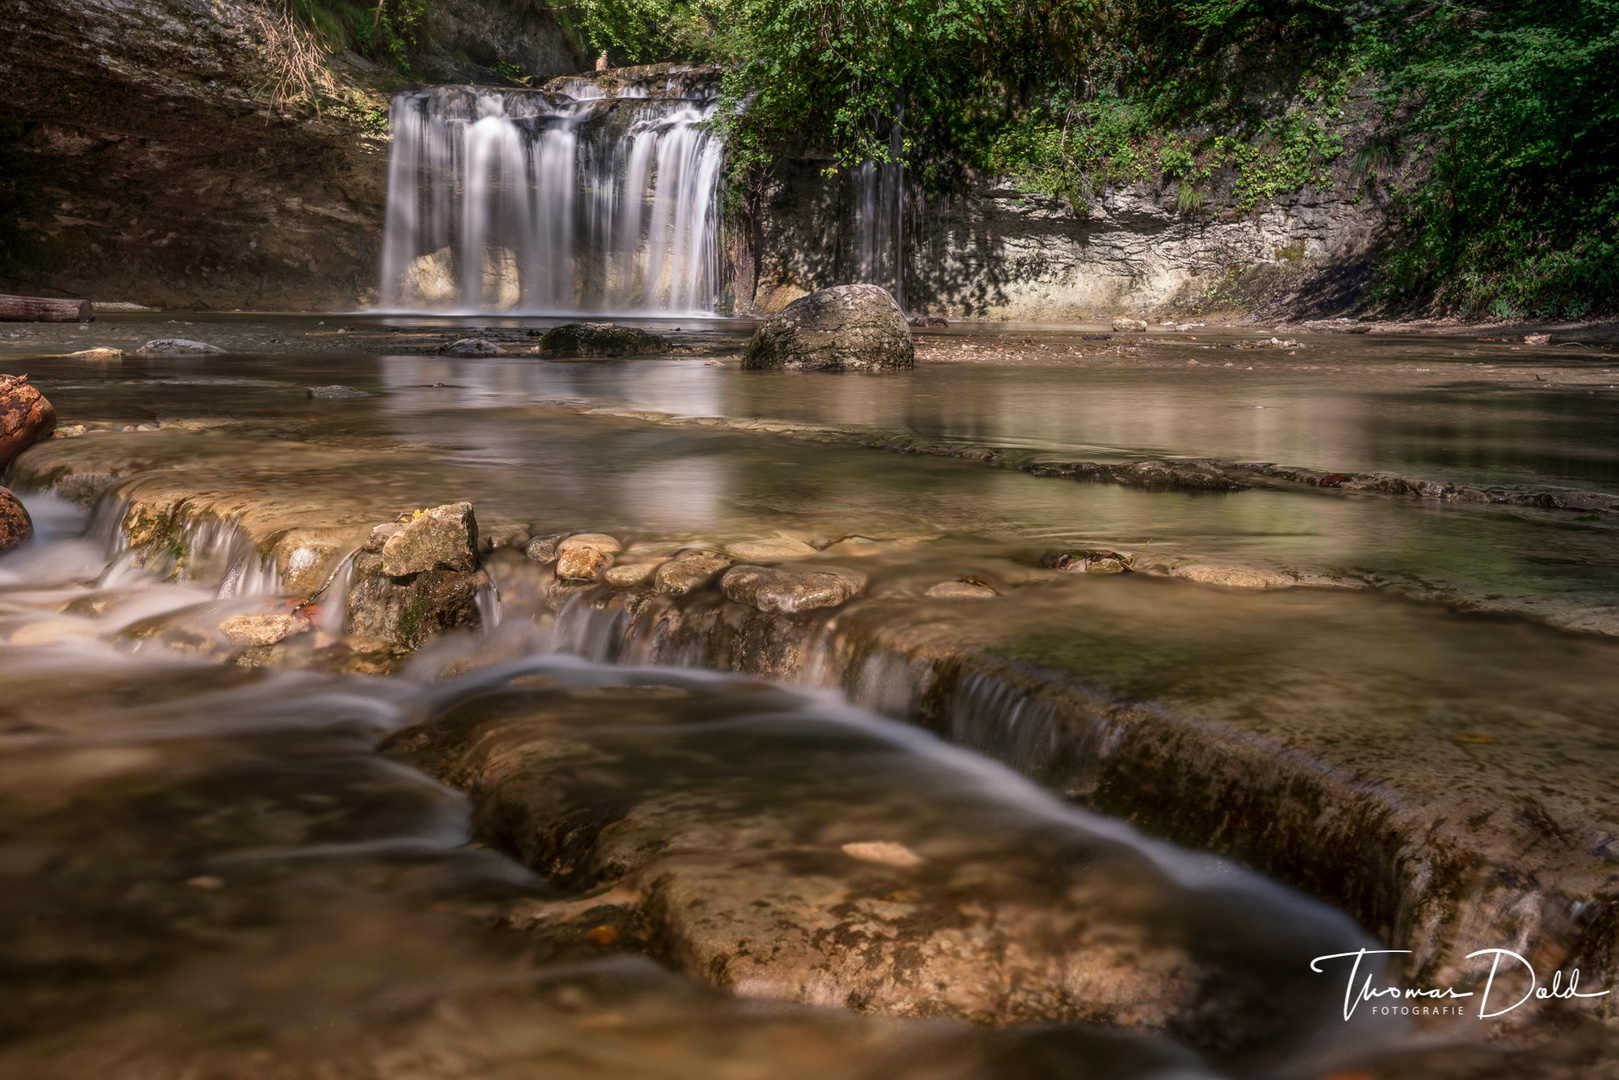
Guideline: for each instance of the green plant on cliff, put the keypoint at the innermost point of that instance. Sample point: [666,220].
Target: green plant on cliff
[385,31]
[1511,110]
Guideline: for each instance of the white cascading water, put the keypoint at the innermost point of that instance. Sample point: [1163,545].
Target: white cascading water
[569,199]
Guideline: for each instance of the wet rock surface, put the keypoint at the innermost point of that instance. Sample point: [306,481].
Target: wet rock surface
[811,878]
[442,538]
[785,591]
[16,527]
[26,417]
[472,347]
[178,347]
[386,611]
[600,339]
[845,328]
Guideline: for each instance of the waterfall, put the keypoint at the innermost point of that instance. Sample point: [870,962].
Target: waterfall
[879,196]
[589,195]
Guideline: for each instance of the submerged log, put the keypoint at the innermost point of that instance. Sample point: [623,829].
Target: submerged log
[44,309]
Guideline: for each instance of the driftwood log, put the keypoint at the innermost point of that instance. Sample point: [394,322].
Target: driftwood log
[44,309]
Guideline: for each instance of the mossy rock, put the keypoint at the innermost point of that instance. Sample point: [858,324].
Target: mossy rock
[601,339]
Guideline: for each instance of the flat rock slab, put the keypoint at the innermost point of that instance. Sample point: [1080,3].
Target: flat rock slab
[472,347]
[600,339]
[783,591]
[784,854]
[177,347]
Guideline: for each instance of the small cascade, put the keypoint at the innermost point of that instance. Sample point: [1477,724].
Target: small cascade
[589,195]
[879,201]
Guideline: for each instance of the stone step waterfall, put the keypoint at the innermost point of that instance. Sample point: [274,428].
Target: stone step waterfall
[589,195]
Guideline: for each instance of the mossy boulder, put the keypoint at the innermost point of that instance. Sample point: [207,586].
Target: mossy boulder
[600,339]
[845,328]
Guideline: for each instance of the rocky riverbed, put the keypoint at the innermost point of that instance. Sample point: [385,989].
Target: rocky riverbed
[1238,666]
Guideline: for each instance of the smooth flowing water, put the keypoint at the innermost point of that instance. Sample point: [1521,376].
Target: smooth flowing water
[212,871]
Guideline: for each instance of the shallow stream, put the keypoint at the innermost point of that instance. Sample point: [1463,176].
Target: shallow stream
[212,871]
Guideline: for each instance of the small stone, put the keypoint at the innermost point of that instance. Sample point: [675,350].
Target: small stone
[1537,339]
[759,550]
[1231,577]
[686,573]
[585,556]
[1100,561]
[176,346]
[381,535]
[206,882]
[443,538]
[99,355]
[1239,577]
[335,391]
[1122,325]
[630,574]
[883,851]
[263,628]
[502,536]
[16,527]
[543,549]
[960,590]
[784,591]
[471,347]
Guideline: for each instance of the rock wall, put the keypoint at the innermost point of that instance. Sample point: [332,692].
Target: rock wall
[141,158]
[997,251]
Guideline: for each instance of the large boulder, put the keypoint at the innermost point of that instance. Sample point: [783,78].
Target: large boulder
[25,417]
[845,328]
[600,339]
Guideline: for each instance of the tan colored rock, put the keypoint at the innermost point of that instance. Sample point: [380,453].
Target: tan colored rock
[960,590]
[443,538]
[1122,325]
[784,591]
[629,574]
[682,575]
[1240,577]
[266,628]
[885,852]
[99,355]
[586,556]
[781,547]
[431,280]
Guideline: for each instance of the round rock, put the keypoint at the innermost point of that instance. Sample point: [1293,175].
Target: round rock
[16,527]
[25,417]
[682,575]
[844,328]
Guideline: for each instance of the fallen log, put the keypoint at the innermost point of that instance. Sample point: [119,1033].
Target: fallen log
[44,309]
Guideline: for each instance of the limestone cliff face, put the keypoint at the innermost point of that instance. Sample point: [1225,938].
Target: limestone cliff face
[997,251]
[141,158]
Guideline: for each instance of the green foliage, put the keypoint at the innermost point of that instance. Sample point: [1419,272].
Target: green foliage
[384,31]
[1514,105]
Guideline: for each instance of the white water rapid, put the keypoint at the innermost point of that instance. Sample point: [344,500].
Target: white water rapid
[584,196]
